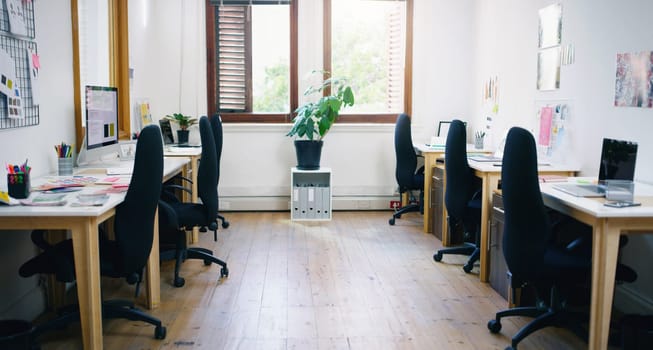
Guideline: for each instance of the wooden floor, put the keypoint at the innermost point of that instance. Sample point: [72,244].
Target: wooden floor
[352,283]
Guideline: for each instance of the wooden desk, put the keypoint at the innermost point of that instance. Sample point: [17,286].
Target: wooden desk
[83,224]
[608,224]
[430,159]
[490,176]
[190,172]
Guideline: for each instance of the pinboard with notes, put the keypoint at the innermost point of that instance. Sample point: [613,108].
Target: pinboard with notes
[19,65]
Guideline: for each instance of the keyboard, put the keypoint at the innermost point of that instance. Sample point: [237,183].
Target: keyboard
[119,171]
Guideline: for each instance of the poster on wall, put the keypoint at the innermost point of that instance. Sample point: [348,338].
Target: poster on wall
[550,26]
[548,69]
[634,80]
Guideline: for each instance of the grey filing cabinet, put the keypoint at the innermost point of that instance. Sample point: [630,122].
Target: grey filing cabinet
[499,277]
[310,195]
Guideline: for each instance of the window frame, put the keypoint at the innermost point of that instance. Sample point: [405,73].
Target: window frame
[408,69]
[253,117]
[211,81]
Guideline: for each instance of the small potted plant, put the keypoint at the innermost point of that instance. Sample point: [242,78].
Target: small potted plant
[184,122]
[314,119]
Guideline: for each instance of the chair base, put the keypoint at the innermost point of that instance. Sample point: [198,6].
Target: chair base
[182,253]
[111,309]
[406,209]
[553,316]
[466,249]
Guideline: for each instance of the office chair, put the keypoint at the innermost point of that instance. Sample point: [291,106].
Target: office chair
[175,216]
[409,178]
[216,127]
[126,256]
[462,195]
[533,257]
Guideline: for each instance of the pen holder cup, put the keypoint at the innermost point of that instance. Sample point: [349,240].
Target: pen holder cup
[619,190]
[18,185]
[65,166]
[478,142]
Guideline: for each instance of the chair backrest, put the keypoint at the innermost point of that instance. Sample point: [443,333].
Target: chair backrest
[207,174]
[134,219]
[527,228]
[405,155]
[460,178]
[216,127]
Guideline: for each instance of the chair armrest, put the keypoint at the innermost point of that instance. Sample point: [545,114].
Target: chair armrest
[167,188]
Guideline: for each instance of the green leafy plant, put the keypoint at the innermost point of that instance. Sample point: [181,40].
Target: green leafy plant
[314,119]
[184,121]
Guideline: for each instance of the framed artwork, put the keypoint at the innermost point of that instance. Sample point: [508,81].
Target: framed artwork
[127,150]
[548,68]
[550,26]
[634,80]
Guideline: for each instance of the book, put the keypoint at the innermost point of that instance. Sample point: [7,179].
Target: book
[552,178]
[45,199]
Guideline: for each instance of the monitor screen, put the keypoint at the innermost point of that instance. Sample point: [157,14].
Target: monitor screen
[101,116]
[618,160]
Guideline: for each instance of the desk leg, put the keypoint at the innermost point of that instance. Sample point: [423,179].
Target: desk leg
[87,270]
[194,163]
[429,163]
[490,181]
[153,273]
[605,248]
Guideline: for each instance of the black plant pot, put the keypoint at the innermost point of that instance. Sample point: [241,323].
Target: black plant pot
[182,137]
[308,154]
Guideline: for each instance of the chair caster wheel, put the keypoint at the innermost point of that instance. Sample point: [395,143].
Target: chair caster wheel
[160,332]
[179,282]
[437,256]
[224,272]
[494,326]
[207,262]
[468,268]
[391,221]
[225,224]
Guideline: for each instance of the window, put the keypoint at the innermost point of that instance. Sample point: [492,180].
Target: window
[373,52]
[252,59]
[252,70]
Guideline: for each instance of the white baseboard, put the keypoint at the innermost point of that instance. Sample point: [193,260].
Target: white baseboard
[630,301]
[277,203]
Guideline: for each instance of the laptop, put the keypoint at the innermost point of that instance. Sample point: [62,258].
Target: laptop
[617,163]
[166,132]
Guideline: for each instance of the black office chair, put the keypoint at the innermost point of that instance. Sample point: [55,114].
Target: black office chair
[409,178]
[533,257]
[462,196]
[126,256]
[175,216]
[216,126]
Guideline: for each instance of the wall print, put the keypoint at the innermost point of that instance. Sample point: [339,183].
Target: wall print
[550,28]
[548,69]
[634,80]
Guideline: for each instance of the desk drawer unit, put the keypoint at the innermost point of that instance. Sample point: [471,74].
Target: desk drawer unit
[436,205]
[499,279]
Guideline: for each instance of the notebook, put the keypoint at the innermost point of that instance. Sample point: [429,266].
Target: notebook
[617,163]
[485,158]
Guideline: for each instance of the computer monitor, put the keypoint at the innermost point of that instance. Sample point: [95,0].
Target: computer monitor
[618,160]
[101,139]
[101,116]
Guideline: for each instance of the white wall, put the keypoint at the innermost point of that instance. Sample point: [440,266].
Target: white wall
[506,46]
[19,297]
[256,158]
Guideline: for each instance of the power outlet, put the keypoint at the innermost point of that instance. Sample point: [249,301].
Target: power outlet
[395,204]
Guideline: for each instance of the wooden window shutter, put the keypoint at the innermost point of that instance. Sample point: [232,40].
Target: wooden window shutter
[233,73]
[395,87]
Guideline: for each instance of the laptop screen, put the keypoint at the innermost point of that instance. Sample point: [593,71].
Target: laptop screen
[617,160]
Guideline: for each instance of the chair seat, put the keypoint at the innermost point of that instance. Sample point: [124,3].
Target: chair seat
[190,214]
